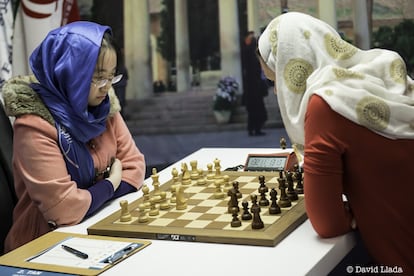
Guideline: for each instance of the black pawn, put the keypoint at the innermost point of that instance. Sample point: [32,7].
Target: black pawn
[274,208]
[246,214]
[235,221]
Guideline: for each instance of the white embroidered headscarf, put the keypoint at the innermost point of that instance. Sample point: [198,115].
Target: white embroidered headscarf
[370,88]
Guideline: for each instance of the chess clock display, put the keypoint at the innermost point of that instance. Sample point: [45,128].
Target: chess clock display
[271,162]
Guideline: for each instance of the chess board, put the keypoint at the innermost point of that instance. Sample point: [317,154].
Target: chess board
[206,219]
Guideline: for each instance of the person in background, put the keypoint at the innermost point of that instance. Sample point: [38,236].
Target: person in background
[351,112]
[72,151]
[254,87]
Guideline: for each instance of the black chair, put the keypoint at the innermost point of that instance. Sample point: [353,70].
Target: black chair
[7,193]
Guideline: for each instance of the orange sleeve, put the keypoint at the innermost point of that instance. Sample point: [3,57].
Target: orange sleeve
[323,171]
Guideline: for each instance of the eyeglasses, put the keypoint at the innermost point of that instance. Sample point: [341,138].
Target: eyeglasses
[103,82]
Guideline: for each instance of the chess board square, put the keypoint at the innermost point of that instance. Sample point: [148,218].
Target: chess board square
[194,189]
[199,209]
[134,220]
[161,222]
[224,217]
[198,224]
[246,178]
[200,196]
[179,223]
[193,202]
[217,225]
[218,210]
[190,216]
[223,203]
[172,215]
[272,180]
[267,220]
[210,202]
[210,217]
[134,213]
[251,185]
[209,190]
[241,228]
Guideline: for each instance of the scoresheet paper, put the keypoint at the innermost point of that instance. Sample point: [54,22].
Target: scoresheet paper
[98,251]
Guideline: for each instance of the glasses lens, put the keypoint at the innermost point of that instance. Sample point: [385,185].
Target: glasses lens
[101,83]
[116,79]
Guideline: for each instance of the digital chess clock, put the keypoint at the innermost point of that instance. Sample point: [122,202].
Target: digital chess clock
[271,162]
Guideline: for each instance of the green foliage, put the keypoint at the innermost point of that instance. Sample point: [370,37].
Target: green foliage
[203,32]
[399,39]
[166,40]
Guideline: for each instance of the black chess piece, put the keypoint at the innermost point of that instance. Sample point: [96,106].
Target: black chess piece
[263,189]
[235,221]
[257,222]
[236,189]
[291,193]
[299,179]
[274,207]
[284,200]
[246,214]
[283,143]
[233,201]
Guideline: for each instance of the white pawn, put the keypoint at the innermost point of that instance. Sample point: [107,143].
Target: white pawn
[219,193]
[227,186]
[145,190]
[125,214]
[164,205]
[154,210]
[201,179]
[194,171]
[210,174]
[142,214]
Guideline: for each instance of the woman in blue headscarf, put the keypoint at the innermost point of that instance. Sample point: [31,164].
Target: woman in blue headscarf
[72,150]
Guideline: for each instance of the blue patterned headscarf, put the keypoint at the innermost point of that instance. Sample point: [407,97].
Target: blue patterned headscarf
[64,64]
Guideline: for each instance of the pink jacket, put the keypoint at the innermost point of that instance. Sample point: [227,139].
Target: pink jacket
[43,185]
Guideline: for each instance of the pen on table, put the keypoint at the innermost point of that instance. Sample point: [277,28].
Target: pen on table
[75,252]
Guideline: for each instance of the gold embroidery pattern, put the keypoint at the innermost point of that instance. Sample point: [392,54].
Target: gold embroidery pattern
[328,92]
[338,48]
[398,71]
[342,73]
[373,113]
[273,37]
[296,73]
[306,34]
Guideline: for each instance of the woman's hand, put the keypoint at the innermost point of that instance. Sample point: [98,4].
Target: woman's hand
[115,174]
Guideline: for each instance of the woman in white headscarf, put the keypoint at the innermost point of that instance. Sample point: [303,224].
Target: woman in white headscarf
[351,113]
